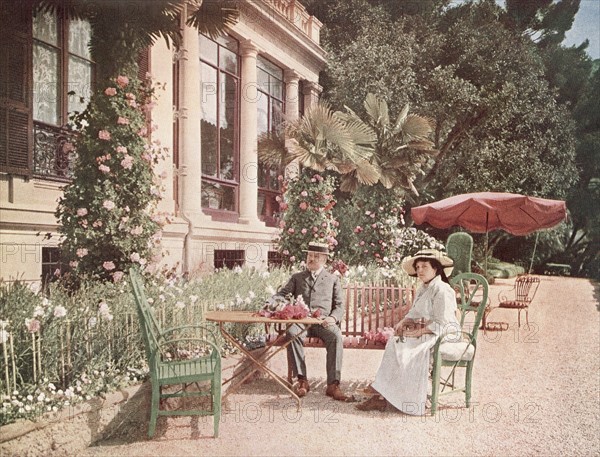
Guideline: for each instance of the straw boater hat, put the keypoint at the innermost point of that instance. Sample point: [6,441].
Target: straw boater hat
[321,248]
[408,262]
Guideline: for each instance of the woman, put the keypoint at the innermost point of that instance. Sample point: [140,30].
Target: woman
[402,377]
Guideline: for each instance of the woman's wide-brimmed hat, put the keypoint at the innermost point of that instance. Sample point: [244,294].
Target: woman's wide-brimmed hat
[321,248]
[408,262]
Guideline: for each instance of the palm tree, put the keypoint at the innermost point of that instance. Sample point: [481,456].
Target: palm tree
[402,149]
[122,28]
[363,152]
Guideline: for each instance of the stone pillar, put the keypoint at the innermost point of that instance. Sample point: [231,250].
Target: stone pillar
[248,136]
[312,92]
[291,113]
[190,157]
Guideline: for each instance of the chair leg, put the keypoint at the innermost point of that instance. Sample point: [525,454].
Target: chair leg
[519,319]
[468,373]
[527,317]
[155,405]
[216,390]
[435,384]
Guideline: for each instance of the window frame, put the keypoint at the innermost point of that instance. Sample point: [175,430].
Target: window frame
[269,192]
[234,183]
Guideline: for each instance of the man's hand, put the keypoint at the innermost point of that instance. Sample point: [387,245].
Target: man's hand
[329,320]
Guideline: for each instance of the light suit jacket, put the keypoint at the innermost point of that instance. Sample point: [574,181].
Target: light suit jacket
[324,294]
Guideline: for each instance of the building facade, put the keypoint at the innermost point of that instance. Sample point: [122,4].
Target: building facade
[219,96]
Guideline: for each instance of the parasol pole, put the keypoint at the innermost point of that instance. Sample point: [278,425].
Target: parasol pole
[487,215]
[537,234]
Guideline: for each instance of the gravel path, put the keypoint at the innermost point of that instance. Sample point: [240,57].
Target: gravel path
[535,392]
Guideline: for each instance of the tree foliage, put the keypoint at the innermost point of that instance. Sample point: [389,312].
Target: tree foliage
[488,77]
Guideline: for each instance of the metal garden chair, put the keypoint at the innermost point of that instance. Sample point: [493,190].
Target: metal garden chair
[460,351]
[179,356]
[520,296]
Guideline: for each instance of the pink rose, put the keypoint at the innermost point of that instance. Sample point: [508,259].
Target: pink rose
[127,162]
[108,266]
[291,230]
[122,81]
[122,121]
[117,276]
[121,149]
[82,252]
[130,96]
[304,193]
[303,206]
[303,231]
[108,204]
[82,212]
[104,169]
[110,91]
[104,135]
[73,263]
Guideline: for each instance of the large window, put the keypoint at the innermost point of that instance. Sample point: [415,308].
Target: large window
[219,65]
[270,106]
[62,84]
[62,68]
[47,74]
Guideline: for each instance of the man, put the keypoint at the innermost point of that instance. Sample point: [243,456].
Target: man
[321,291]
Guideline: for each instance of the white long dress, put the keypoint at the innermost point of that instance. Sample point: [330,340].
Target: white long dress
[402,377]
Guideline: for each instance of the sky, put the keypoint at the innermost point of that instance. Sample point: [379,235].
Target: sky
[586,26]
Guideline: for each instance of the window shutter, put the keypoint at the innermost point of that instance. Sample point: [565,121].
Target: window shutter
[143,63]
[16,122]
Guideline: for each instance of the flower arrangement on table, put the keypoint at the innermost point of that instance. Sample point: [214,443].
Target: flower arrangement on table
[287,308]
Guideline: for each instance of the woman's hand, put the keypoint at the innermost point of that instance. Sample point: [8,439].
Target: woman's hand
[403,325]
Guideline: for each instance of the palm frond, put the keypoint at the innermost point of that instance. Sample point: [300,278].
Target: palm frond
[367,173]
[272,150]
[213,17]
[377,110]
[416,127]
[401,119]
[349,183]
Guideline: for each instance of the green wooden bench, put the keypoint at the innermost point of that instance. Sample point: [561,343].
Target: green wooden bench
[186,355]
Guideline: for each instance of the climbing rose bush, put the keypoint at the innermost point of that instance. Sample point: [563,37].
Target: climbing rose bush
[306,208]
[373,230]
[108,212]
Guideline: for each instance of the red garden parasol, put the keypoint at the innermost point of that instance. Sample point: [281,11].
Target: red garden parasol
[485,211]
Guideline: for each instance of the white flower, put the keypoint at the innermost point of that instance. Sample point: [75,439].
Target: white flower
[251,294]
[3,336]
[29,398]
[270,290]
[41,397]
[180,305]
[193,298]
[220,306]
[35,287]
[60,311]
[38,311]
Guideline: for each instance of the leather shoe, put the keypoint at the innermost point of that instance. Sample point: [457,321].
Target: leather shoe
[334,391]
[375,403]
[302,388]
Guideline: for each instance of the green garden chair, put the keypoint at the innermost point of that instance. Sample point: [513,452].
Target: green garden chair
[459,352]
[459,247]
[182,356]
